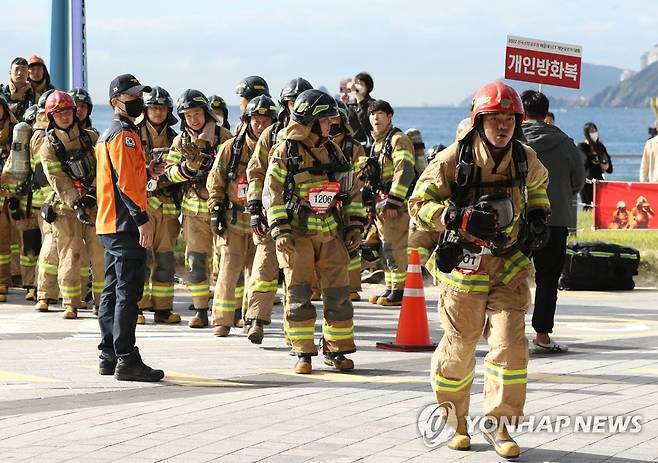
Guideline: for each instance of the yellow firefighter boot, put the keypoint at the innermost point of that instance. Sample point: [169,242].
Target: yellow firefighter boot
[316,296]
[200,319]
[221,331]
[41,305]
[339,361]
[355,296]
[303,365]
[461,440]
[70,313]
[166,316]
[31,294]
[141,320]
[502,442]
[375,298]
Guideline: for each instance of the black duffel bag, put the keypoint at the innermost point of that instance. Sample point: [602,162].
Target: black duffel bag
[599,266]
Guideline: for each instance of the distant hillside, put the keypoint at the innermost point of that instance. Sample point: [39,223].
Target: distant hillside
[633,92]
[594,79]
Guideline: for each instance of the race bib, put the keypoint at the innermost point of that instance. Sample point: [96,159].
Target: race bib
[321,198]
[380,201]
[243,185]
[152,185]
[470,262]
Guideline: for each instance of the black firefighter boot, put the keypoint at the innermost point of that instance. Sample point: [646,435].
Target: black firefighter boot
[394,298]
[132,368]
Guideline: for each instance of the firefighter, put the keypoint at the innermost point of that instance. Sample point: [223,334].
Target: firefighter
[47,288]
[316,219]
[7,123]
[227,189]
[265,270]
[157,135]
[83,107]
[68,160]
[220,110]
[38,76]
[18,91]
[389,174]
[343,135]
[248,88]
[487,194]
[189,160]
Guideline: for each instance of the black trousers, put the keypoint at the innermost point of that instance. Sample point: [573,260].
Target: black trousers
[548,268]
[125,268]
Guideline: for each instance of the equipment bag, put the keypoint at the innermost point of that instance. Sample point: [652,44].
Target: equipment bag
[599,266]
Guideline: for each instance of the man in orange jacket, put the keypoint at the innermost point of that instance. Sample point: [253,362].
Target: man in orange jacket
[124,231]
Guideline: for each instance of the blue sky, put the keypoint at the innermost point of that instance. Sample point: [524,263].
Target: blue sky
[418,51]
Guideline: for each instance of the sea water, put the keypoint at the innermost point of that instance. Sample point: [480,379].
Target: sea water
[622,130]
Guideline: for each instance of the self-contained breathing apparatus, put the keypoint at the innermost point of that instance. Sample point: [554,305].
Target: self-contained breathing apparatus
[80,166]
[324,199]
[454,250]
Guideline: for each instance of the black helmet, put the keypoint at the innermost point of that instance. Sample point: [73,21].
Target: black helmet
[30,114]
[217,102]
[158,96]
[42,99]
[343,112]
[80,94]
[293,88]
[251,87]
[192,99]
[261,106]
[312,105]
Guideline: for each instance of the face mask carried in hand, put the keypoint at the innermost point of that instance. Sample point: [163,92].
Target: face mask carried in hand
[134,107]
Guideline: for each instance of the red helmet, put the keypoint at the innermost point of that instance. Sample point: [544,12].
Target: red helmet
[34,59]
[495,97]
[59,101]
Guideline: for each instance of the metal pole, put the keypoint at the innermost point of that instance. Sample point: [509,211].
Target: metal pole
[540,88]
[78,44]
[59,44]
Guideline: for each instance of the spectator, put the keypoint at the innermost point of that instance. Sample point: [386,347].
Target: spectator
[550,118]
[597,161]
[361,86]
[566,176]
[649,165]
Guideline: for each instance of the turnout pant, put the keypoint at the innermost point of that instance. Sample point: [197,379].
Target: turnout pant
[5,246]
[29,241]
[198,252]
[394,235]
[125,264]
[161,263]
[499,315]
[264,281]
[328,257]
[236,251]
[47,287]
[73,238]
[548,268]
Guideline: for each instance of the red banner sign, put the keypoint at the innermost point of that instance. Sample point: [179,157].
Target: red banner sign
[625,205]
[552,63]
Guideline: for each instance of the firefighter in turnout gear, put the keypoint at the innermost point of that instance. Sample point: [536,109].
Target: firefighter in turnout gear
[47,288]
[316,219]
[188,162]
[342,135]
[18,91]
[163,210]
[7,123]
[69,163]
[38,76]
[220,109]
[389,174]
[229,218]
[265,269]
[487,194]
[249,88]
[83,107]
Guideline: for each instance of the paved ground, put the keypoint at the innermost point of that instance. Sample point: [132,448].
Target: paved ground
[229,400]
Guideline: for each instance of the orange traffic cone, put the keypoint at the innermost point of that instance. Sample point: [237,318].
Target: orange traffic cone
[413,333]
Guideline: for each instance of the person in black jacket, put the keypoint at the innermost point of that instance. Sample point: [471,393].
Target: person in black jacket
[597,161]
[566,176]
[361,86]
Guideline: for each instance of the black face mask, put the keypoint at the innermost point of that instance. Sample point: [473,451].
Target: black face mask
[134,107]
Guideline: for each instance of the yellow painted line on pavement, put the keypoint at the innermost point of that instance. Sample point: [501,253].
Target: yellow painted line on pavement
[348,377]
[183,379]
[14,377]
